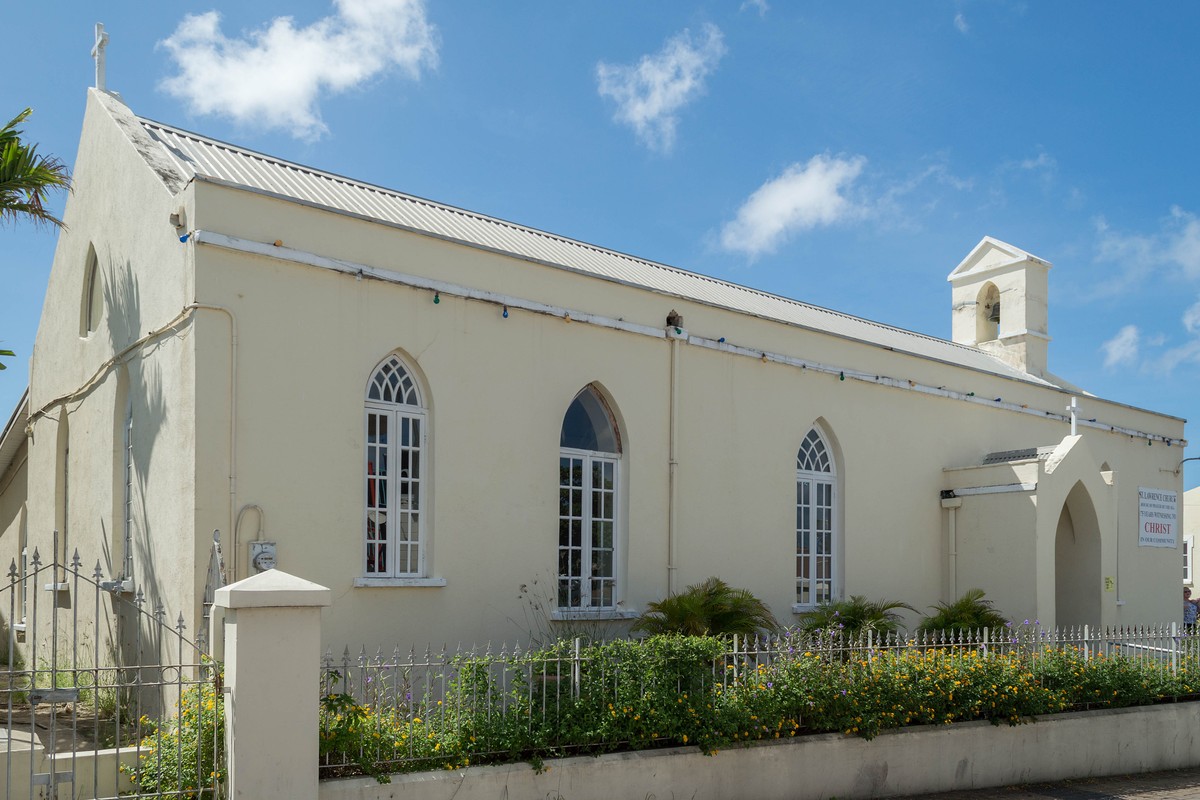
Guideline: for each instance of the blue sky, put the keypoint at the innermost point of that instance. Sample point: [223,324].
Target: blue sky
[844,154]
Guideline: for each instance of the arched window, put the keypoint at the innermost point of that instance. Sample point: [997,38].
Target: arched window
[816,523]
[93,295]
[589,458]
[395,473]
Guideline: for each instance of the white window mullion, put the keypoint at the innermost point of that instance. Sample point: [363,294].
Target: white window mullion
[587,529]
[1189,556]
[572,522]
[378,498]
[585,544]
[816,539]
[602,550]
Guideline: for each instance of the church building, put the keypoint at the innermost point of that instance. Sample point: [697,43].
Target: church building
[469,429]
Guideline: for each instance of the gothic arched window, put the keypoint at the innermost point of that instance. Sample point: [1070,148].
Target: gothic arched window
[817,528]
[395,473]
[589,458]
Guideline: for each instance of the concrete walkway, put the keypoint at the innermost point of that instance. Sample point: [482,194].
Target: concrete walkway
[1181,784]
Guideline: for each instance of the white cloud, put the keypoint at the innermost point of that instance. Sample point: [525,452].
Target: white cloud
[1140,261]
[1133,348]
[1173,249]
[1191,318]
[1122,349]
[650,94]
[1184,246]
[274,77]
[1188,352]
[960,22]
[805,196]
[761,5]
[1043,161]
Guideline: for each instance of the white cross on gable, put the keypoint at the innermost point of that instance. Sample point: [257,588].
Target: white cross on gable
[98,54]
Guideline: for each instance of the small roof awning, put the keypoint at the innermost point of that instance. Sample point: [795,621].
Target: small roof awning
[14,433]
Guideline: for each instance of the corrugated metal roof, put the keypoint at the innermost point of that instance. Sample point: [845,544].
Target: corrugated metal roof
[196,155]
[1026,454]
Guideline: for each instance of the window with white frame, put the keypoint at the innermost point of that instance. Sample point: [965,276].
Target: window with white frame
[816,523]
[1187,559]
[589,460]
[395,474]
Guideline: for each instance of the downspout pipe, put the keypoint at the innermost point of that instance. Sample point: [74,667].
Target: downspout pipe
[951,504]
[674,335]
[233,406]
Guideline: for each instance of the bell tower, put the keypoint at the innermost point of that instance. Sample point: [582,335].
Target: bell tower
[998,295]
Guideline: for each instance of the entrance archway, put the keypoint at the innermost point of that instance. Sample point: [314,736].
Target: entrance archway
[1077,582]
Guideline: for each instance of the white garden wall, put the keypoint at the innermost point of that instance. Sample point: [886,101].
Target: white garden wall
[910,761]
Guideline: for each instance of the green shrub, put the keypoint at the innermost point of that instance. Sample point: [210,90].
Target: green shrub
[711,608]
[681,690]
[971,612]
[854,616]
[185,755]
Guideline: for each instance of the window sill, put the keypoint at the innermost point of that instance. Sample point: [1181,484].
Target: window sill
[381,583]
[798,608]
[567,614]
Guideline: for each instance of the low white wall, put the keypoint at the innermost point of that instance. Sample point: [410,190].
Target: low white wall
[97,770]
[910,761]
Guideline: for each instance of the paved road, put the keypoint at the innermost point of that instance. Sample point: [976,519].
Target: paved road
[1182,784]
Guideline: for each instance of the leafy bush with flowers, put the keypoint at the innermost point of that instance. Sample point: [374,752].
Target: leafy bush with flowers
[184,756]
[686,690]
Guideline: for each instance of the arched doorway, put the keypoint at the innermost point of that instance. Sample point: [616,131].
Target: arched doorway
[1077,582]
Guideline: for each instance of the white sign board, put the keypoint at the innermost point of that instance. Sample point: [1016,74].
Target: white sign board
[1158,518]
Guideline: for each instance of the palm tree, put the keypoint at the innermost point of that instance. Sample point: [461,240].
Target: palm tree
[971,612]
[711,608]
[854,616]
[27,178]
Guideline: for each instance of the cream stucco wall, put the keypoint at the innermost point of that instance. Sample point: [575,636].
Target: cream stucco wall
[497,389]
[1190,508]
[81,381]
[251,409]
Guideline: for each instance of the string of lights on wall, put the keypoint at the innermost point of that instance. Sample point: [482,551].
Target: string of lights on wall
[508,303]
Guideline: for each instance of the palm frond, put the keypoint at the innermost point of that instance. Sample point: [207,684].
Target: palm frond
[970,612]
[709,608]
[856,615]
[26,179]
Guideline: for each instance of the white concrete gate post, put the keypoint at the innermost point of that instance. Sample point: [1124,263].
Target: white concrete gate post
[272,675]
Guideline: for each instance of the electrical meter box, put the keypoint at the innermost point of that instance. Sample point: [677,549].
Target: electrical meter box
[262,555]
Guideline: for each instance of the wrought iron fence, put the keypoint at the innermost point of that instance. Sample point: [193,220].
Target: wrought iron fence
[393,711]
[102,697]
